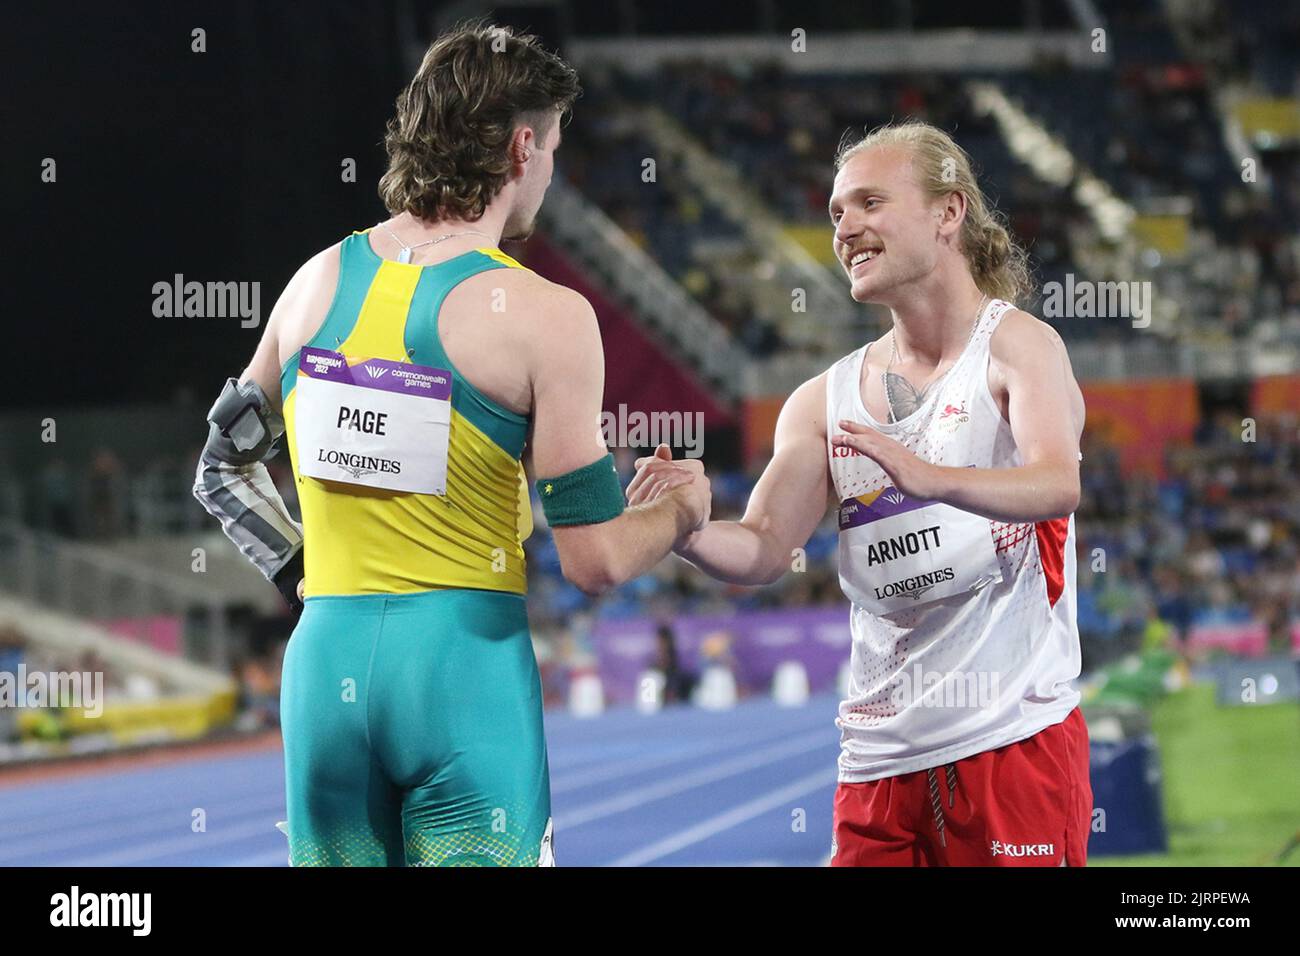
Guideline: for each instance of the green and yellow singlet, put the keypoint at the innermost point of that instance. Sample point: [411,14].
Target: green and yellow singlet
[365,540]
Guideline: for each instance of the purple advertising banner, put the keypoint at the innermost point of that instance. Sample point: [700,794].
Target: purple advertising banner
[752,643]
[382,374]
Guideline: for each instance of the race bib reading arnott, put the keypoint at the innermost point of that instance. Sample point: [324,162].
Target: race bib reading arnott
[372,422]
[898,552]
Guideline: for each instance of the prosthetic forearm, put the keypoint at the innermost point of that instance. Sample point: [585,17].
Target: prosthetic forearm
[233,485]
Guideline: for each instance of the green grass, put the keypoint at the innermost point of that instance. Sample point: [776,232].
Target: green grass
[1231,782]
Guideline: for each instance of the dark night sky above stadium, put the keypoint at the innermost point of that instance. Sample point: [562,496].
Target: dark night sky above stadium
[221,166]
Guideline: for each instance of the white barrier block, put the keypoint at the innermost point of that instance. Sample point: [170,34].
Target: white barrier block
[586,696]
[790,684]
[717,689]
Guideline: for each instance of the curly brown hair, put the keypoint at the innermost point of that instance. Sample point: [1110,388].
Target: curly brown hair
[447,145]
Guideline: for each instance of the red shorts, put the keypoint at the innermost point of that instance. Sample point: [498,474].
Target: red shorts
[1025,804]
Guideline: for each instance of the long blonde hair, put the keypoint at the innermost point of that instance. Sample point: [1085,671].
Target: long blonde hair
[997,262]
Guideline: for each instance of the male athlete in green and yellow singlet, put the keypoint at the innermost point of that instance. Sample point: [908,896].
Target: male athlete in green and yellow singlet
[412,367]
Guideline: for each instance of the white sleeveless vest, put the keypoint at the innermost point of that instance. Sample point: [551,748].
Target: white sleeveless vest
[964,632]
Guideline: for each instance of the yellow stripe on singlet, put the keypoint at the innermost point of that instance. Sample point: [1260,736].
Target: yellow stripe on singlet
[381,325]
[502,258]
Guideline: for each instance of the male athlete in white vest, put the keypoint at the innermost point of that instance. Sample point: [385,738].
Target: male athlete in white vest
[951,447]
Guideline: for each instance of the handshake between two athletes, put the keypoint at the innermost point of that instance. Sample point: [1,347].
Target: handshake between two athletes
[789,499]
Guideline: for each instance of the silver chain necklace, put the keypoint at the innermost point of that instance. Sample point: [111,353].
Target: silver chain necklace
[405,254]
[893,354]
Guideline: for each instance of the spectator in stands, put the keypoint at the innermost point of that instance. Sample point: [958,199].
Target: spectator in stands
[55,500]
[259,693]
[12,648]
[678,683]
[106,492]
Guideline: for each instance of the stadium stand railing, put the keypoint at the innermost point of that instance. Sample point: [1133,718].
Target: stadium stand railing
[587,234]
[79,580]
[100,691]
[828,321]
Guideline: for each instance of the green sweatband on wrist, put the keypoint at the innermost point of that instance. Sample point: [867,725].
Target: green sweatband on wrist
[589,495]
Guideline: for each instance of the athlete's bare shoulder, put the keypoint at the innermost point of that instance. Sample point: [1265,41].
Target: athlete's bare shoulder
[553,316]
[322,269]
[1021,338]
[1023,348]
[804,412]
[531,299]
[326,260]
[301,308]
[550,300]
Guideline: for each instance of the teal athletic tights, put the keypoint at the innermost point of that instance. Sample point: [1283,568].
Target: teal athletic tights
[413,733]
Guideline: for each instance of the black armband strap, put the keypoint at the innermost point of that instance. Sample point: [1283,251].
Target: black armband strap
[589,495]
[286,581]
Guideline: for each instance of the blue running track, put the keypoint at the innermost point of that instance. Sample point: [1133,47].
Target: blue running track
[685,787]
